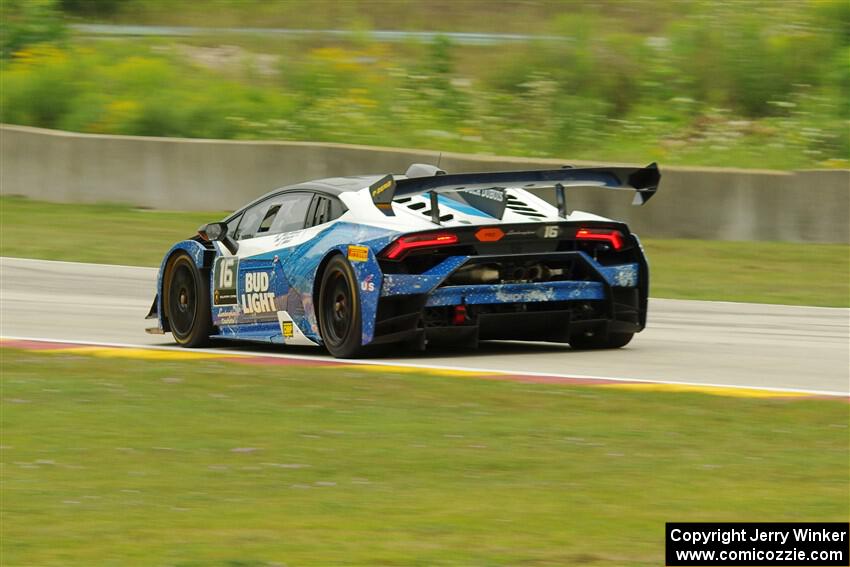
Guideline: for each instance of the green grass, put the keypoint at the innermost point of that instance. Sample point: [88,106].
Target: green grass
[102,234]
[764,272]
[117,462]
[760,272]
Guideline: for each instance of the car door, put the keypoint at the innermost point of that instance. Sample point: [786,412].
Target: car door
[250,287]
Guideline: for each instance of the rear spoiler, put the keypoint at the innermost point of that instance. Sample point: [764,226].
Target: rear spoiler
[486,191]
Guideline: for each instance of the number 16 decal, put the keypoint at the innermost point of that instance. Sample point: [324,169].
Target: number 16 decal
[224,281]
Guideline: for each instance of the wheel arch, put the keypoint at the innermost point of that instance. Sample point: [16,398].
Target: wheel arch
[368,279]
[201,256]
[317,285]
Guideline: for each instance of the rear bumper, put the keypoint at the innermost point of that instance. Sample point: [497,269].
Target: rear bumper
[420,307]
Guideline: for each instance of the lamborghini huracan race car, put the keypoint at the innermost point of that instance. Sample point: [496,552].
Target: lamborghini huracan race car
[424,257]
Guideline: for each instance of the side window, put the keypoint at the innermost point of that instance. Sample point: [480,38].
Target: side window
[251,220]
[282,213]
[292,212]
[322,212]
[259,219]
[232,225]
[325,210]
[337,209]
[266,224]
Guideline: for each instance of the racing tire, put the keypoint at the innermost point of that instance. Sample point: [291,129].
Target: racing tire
[339,309]
[186,299]
[611,340]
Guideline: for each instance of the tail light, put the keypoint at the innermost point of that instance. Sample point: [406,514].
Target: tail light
[612,237]
[400,247]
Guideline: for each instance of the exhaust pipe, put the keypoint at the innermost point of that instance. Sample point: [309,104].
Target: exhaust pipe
[519,274]
[491,274]
[542,272]
[476,275]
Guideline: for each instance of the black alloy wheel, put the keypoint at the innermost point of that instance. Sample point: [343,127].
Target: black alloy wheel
[339,309]
[187,302]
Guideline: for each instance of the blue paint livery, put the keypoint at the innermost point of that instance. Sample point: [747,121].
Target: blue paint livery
[412,284]
[462,207]
[292,279]
[515,293]
[289,272]
[625,275]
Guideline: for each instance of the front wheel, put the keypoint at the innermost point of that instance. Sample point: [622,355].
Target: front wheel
[339,309]
[186,300]
[594,341]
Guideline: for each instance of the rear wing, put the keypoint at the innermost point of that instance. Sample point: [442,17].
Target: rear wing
[486,191]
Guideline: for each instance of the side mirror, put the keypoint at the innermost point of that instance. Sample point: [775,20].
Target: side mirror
[217,232]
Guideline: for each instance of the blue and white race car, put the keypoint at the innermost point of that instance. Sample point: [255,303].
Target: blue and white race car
[424,257]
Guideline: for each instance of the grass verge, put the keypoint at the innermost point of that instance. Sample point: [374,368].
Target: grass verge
[117,462]
[758,272]
[101,234]
[761,272]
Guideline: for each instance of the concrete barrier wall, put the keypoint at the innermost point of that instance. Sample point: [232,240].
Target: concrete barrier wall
[180,174]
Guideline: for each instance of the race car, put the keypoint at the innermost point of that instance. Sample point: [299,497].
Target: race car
[414,259]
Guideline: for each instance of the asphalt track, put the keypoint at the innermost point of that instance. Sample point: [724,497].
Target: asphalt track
[688,342]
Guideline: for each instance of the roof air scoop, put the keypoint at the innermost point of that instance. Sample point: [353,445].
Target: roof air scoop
[423,170]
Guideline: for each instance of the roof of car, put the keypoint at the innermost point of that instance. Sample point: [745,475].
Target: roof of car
[331,185]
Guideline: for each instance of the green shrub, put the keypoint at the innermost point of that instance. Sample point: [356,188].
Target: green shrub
[28,22]
[744,84]
[92,7]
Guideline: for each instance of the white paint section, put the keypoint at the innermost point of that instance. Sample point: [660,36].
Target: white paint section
[262,244]
[292,334]
[687,342]
[362,210]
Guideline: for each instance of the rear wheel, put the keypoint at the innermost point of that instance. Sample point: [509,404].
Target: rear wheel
[339,309]
[595,341]
[187,302]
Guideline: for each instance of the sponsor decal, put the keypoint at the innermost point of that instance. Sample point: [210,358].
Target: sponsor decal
[490,201]
[381,188]
[228,318]
[292,335]
[224,281]
[286,237]
[492,194]
[257,297]
[367,284]
[358,253]
[382,192]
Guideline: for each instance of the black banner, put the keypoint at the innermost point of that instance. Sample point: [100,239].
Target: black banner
[754,543]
